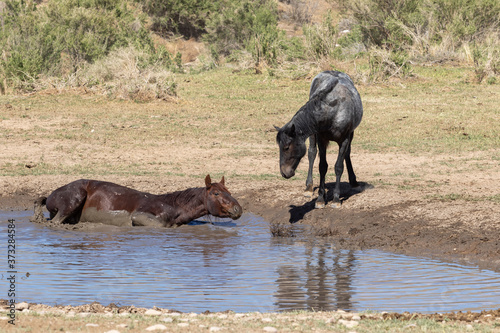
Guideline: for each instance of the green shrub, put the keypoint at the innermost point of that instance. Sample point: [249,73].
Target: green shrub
[486,58]
[28,47]
[186,17]
[466,20]
[60,36]
[246,24]
[88,30]
[321,39]
[420,24]
[380,21]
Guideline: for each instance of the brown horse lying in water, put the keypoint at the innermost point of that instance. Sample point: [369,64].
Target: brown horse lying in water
[97,201]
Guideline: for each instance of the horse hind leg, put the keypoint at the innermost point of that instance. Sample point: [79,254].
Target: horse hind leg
[344,148]
[66,208]
[311,156]
[323,169]
[352,177]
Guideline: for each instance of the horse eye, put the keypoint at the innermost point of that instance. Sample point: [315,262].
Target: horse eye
[216,193]
[286,148]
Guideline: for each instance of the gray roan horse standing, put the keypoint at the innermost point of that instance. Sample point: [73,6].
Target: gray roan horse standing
[333,112]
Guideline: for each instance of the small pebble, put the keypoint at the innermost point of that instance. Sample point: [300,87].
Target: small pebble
[112,331]
[183,324]
[22,306]
[152,312]
[270,329]
[168,319]
[215,329]
[267,320]
[348,323]
[157,327]
[92,325]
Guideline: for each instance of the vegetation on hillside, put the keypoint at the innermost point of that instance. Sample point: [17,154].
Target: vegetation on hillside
[65,43]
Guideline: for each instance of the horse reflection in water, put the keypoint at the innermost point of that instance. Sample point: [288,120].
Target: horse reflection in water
[320,285]
[87,200]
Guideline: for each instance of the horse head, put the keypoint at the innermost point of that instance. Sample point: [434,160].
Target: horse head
[219,201]
[292,149]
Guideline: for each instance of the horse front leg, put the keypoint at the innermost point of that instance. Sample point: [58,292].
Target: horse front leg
[142,219]
[323,168]
[311,156]
[339,169]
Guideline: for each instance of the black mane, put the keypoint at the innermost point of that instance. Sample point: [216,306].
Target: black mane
[182,197]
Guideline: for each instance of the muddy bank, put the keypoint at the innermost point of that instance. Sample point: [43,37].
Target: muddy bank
[411,227]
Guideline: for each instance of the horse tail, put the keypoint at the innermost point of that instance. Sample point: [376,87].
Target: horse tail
[38,210]
[321,85]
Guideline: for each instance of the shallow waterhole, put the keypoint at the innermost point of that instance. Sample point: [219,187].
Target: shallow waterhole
[233,265]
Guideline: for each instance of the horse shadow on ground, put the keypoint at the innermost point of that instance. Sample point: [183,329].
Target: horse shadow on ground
[297,213]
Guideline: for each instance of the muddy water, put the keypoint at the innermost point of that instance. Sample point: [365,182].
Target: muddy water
[235,266]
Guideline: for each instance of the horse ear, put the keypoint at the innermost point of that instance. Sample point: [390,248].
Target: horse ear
[292,131]
[222,180]
[208,181]
[277,128]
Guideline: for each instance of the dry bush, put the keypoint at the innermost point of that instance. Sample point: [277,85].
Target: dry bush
[301,11]
[386,64]
[124,74]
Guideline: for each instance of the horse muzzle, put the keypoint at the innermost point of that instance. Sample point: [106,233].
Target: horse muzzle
[235,212]
[287,172]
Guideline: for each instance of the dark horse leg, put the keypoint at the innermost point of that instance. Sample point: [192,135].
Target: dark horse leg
[323,168]
[140,219]
[350,170]
[311,156]
[344,154]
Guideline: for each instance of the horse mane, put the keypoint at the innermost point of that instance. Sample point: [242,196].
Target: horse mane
[304,119]
[181,198]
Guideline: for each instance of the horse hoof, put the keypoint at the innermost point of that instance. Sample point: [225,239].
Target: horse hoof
[335,205]
[319,205]
[308,194]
